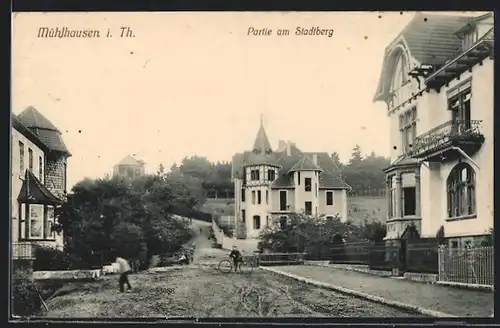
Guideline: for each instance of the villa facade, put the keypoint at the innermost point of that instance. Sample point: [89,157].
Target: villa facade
[272,184]
[437,81]
[39,178]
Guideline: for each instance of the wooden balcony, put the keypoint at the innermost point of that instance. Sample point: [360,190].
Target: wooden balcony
[440,143]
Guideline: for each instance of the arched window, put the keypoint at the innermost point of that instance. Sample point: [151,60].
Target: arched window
[400,73]
[461,191]
[256,222]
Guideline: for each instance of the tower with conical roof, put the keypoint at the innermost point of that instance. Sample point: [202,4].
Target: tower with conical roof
[260,170]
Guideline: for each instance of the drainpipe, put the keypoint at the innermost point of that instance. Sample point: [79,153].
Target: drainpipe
[466,156]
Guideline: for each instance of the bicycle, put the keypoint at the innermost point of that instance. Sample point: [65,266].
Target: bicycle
[245,266]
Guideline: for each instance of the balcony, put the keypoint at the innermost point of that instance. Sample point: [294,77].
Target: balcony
[440,144]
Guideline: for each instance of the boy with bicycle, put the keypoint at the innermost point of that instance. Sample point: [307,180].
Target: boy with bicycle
[235,255]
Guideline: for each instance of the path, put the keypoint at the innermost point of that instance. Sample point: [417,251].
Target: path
[204,253]
[458,302]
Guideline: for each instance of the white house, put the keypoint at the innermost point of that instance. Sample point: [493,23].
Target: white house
[270,185]
[437,82]
[39,166]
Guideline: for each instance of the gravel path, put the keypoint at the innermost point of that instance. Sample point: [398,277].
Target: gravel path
[459,302]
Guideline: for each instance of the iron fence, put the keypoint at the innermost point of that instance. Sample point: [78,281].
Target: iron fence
[470,265]
[422,256]
[385,257]
[281,258]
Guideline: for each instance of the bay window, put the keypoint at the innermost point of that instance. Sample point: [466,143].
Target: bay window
[36,222]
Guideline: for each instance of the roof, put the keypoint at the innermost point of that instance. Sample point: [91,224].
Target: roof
[288,162]
[131,161]
[473,22]
[430,39]
[305,164]
[43,129]
[33,191]
[30,135]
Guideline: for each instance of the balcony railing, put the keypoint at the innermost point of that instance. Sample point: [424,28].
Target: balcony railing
[451,133]
[23,251]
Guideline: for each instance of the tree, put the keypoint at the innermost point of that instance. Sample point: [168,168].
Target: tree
[356,157]
[161,170]
[110,214]
[336,159]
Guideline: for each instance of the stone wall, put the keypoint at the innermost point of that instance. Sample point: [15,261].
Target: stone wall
[55,173]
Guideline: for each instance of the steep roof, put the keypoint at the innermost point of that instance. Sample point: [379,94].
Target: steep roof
[262,152]
[30,135]
[130,161]
[33,191]
[288,159]
[429,38]
[305,164]
[43,129]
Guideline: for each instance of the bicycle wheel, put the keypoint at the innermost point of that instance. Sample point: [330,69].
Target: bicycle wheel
[246,267]
[225,266]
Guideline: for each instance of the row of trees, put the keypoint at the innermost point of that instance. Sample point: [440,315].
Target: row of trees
[213,178]
[363,173]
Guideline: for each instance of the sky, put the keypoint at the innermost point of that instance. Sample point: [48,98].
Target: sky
[198,84]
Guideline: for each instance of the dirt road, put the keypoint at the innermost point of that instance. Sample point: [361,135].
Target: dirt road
[199,290]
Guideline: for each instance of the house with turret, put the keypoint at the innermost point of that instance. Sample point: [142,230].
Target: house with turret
[272,184]
[437,82]
[38,180]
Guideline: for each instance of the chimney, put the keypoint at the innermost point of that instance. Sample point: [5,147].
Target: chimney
[281,144]
[315,159]
[288,148]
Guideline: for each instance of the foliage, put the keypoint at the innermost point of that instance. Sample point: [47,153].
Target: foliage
[364,174]
[374,231]
[106,217]
[25,300]
[50,258]
[303,234]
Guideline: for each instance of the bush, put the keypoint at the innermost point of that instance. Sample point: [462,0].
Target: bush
[49,258]
[25,300]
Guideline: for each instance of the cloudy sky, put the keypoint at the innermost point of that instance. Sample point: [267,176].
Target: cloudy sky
[196,83]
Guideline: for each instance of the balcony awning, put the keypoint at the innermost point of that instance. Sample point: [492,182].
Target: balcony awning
[461,63]
[33,191]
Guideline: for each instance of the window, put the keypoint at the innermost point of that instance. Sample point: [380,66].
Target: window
[21,157]
[40,168]
[316,189]
[408,128]
[461,191]
[254,175]
[307,184]
[392,196]
[30,159]
[259,196]
[267,220]
[271,175]
[409,204]
[65,182]
[242,194]
[256,222]
[243,216]
[48,232]
[308,209]
[253,196]
[267,196]
[36,221]
[469,39]
[283,200]
[460,105]
[283,222]
[298,178]
[329,198]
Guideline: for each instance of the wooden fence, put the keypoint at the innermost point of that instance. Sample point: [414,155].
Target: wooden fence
[469,265]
